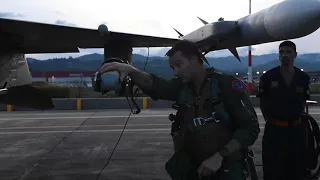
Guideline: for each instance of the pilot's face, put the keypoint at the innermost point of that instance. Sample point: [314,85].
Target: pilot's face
[286,56]
[182,66]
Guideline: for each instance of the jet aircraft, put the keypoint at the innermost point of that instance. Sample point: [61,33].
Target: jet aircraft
[288,19]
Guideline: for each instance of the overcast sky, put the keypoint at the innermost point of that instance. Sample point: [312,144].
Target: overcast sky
[144,17]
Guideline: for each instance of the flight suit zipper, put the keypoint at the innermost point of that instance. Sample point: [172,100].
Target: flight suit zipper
[197,106]
[198,97]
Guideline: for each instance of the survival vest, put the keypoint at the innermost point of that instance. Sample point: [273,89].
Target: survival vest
[215,91]
[312,146]
[218,106]
[216,100]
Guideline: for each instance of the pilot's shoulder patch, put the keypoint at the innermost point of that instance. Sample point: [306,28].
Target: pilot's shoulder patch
[238,85]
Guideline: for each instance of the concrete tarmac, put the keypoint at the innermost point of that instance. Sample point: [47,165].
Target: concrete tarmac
[76,145]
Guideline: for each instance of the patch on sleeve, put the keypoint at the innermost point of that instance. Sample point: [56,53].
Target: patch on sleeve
[238,86]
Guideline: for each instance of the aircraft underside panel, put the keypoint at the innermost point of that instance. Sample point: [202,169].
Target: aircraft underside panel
[14,70]
[227,34]
[210,36]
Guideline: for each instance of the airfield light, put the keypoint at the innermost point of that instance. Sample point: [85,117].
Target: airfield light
[301,69]
[237,74]
[257,72]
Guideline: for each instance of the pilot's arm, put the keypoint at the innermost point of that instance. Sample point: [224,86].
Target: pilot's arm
[163,89]
[241,111]
[154,86]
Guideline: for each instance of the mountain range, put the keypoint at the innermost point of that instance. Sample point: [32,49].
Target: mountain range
[159,65]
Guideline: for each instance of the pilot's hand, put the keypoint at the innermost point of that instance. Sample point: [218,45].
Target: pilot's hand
[210,166]
[122,68]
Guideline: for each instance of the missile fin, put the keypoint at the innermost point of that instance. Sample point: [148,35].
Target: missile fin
[235,53]
[203,21]
[180,34]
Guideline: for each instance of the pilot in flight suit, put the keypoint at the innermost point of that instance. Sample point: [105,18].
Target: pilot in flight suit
[238,120]
[283,92]
[217,120]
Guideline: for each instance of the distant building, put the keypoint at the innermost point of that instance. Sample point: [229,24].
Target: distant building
[64,78]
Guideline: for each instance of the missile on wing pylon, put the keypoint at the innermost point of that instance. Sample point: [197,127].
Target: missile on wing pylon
[232,50]
[289,19]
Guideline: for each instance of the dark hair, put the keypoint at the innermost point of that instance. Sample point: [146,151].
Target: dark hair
[187,48]
[288,44]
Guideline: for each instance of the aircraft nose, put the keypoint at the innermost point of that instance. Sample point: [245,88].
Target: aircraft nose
[293,19]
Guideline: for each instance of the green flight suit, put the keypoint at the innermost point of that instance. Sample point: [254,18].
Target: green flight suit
[204,141]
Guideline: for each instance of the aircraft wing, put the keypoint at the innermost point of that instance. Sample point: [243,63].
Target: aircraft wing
[33,37]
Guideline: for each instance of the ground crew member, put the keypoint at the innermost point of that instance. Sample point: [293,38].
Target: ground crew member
[214,132]
[283,92]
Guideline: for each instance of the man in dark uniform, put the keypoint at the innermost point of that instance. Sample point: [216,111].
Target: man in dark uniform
[283,92]
[227,127]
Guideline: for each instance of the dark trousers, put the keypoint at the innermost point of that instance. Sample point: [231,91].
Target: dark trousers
[283,152]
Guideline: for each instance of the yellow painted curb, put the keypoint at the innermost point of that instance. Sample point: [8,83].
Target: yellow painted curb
[79,104]
[144,102]
[9,108]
